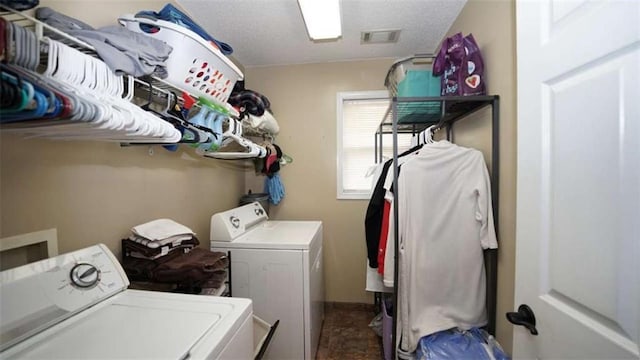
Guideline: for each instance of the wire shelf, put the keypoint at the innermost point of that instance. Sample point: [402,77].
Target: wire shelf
[42,29]
[415,114]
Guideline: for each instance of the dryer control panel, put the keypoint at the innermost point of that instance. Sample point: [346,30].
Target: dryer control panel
[228,225]
[38,295]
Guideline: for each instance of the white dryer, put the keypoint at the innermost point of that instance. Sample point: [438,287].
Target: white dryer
[278,265]
[77,306]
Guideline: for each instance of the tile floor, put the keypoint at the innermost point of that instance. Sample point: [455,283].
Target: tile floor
[346,334]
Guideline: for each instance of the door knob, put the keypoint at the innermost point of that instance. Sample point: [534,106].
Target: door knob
[524,317]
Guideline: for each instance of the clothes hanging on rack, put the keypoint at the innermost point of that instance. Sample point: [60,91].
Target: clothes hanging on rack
[444,223]
[386,263]
[456,109]
[374,278]
[375,212]
[384,236]
[373,217]
[386,252]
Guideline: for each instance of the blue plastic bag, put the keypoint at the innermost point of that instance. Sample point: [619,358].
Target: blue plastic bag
[274,187]
[455,344]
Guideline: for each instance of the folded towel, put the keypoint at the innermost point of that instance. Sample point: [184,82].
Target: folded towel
[160,229]
[153,244]
[140,250]
[192,268]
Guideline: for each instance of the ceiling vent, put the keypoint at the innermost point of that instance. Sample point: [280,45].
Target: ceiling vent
[379,36]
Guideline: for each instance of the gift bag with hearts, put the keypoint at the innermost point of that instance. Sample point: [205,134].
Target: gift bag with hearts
[460,63]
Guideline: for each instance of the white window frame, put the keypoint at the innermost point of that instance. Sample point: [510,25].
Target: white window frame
[343,194]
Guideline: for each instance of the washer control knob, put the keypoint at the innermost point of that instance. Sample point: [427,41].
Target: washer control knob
[84,275]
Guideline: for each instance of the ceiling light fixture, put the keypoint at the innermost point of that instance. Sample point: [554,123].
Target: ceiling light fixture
[322,18]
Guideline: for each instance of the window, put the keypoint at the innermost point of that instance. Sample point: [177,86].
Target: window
[359,115]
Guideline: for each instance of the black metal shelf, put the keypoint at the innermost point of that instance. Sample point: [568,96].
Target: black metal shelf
[415,114]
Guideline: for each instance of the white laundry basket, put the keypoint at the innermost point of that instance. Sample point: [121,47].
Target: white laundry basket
[194,65]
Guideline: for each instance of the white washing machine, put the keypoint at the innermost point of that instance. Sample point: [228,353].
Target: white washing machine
[278,265]
[77,306]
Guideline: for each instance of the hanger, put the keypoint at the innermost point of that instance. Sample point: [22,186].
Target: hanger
[234,134]
[25,95]
[104,111]
[36,101]
[63,103]
[84,97]
[189,133]
[59,105]
[10,96]
[197,133]
[428,135]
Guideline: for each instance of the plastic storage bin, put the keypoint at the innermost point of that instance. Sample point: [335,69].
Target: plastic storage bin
[419,83]
[194,65]
[412,77]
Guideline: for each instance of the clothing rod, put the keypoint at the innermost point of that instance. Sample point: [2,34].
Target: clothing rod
[39,26]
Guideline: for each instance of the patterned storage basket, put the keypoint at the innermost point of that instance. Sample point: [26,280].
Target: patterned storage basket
[194,65]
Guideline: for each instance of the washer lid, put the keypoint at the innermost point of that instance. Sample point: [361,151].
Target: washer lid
[292,235]
[141,325]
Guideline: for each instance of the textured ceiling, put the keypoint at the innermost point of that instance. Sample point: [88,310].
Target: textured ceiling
[272,32]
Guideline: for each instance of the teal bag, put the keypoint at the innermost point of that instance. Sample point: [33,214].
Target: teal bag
[420,83]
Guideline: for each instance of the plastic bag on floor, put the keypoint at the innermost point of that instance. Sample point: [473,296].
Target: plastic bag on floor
[376,324]
[456,344]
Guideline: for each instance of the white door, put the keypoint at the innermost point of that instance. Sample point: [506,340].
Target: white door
[578,205]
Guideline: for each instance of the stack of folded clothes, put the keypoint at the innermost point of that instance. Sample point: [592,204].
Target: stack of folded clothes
[163,251]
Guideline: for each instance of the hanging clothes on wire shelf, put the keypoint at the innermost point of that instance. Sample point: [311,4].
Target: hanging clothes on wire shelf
[53,90]
[174,111]
[234,146]
[76,97]
[271,168]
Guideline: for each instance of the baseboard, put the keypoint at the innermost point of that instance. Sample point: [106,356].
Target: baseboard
[349,306]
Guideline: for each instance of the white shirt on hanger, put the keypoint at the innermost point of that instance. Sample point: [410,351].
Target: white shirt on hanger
[445,221]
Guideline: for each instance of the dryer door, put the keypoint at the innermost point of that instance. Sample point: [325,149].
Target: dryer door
[273,279]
